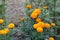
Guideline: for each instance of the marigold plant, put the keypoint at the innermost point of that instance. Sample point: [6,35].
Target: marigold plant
[5,32]
[40,20]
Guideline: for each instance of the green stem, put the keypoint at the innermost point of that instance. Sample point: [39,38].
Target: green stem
[54,6]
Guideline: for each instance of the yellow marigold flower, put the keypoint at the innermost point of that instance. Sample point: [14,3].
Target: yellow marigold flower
[39,29]
[53,24]
[45,7]
[37,10]
[38,20]
[11,25]
[28,6]
[47,25]
[33,15]
[7,30]
[1,21]
[3,32]
[51,38]
[41,24]
[35,26]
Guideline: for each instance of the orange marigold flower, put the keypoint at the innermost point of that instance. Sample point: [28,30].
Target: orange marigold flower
[47,25]
[45,7]
[28,6]
[53,24]
[11,25]
[41,24]
[37,10]
[1,21]
[39,29]
[51,38]
[33,15]
[38,20]
[35,26]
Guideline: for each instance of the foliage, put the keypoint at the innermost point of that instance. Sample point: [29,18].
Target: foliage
[5,31]
[47,13]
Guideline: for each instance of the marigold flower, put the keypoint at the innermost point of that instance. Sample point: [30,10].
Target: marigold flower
[7,30]
[45,7]
[39,29]
[38,20]
[53,24]
[4,31]
[1,21]
[37,10]
[33,15]
[11,25]
[35,26]
[41,24]
[47,25]
[28,6]
[51,38]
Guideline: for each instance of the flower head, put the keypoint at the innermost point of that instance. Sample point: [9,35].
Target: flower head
[28,6]
[41,24]
[1,21]
[35,26]
[33,15]
[4,31]
[53,24]
[39,29]
[38,20]
[11,25]
[47,25]
[51,38]
[37,10]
